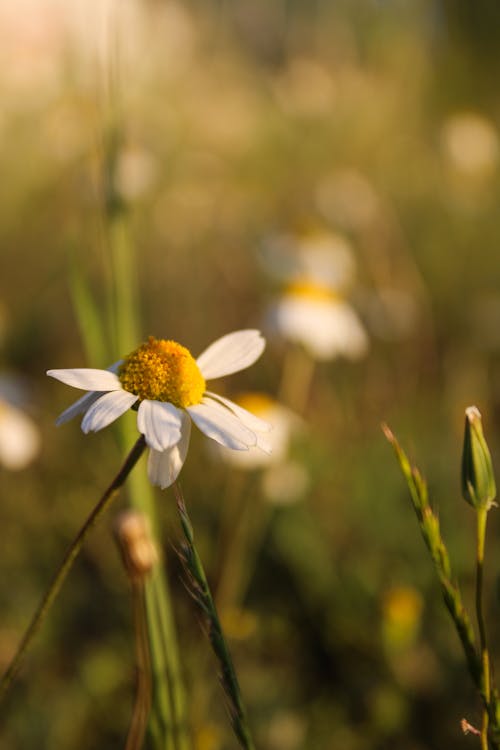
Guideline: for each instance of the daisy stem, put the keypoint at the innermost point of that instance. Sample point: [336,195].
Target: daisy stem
[482,514]
[296,378]
[68,560]
[203,597]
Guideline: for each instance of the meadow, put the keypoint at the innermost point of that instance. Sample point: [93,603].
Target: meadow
[184,170]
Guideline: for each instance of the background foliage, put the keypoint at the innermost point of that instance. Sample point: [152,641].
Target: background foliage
[235,121]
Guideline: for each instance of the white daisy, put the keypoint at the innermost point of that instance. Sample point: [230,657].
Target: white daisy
[283,480]
[285,424]
[313,309]
[319,319]
[166,385]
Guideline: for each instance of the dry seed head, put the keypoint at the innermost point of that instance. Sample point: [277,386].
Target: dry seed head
[136,544]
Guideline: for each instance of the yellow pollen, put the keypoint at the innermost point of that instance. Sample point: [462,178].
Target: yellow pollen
[311,290]
[163,371]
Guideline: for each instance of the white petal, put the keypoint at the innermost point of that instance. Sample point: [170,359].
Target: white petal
[19,438]
[250,420]
[264,444]
[106,409]
[78,407]
[160,423]
[326,328]
[221,425]
[231,353]
[164,466]
[88,379]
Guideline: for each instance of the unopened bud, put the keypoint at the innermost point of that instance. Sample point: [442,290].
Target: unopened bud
[478,480]
[136,544]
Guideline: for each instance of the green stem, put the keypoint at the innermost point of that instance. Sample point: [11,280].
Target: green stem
[67,562]
[482,515]
[296,379]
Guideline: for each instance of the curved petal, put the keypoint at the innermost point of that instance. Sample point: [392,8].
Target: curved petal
[106,409]
[88,379]
[264,444]
[164,466]
[248,419]
[160,423]
[231,353]
[78,407]
[218,423]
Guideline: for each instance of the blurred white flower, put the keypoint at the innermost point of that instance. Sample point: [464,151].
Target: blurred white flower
[135,171]
[312,310]
[470,142]
[324,258]
[19,437]
[325,324]
[282,422]
[283,480]
[285,483]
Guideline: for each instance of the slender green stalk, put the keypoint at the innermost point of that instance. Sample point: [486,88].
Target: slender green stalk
[482,515]
[242,544]
[203,597]
[67,562]
[168,721]
[296,379]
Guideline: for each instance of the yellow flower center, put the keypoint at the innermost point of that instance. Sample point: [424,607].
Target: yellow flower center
[163,371]
[311,290]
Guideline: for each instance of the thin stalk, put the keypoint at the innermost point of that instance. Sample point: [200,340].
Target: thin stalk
[296,379]
[169,712]
[68,560]
[142,702]
[245,523]
[203,598]
[482,515]
[242,544]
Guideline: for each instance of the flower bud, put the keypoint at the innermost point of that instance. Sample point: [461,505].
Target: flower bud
[478,480]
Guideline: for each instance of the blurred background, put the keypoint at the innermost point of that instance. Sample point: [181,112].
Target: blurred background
[328,172]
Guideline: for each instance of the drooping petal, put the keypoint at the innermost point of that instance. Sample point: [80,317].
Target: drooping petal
[264,444]
[88,379]
[231,353]
[218,423]
[248,419]
[164,466]
[78,407]
[160,423]
[106,409]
